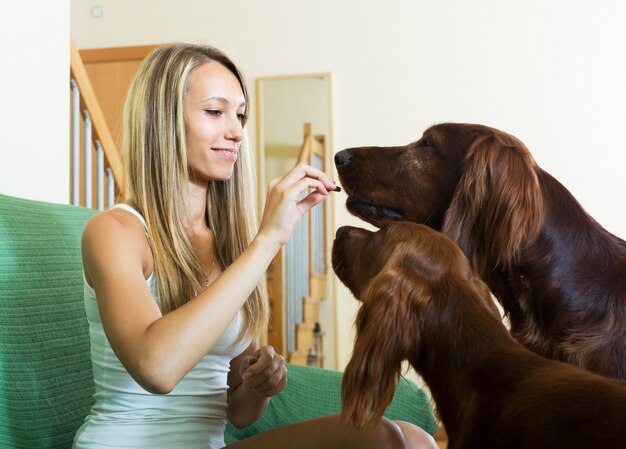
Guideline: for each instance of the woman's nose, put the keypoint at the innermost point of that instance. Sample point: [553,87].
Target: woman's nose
[235,130]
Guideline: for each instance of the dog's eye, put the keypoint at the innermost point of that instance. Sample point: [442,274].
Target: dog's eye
[425,143]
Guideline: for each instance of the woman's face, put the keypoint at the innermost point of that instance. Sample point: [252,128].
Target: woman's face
[214,108]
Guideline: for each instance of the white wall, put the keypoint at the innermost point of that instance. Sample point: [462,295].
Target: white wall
[34,105]
[553,73]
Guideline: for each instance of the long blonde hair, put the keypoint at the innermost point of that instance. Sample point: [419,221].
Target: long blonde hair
[155,154]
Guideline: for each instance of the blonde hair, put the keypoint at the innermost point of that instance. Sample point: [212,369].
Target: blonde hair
[155,154]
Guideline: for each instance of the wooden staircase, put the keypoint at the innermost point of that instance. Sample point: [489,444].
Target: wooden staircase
[93,150]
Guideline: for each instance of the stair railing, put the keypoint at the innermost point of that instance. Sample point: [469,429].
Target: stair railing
[95,152]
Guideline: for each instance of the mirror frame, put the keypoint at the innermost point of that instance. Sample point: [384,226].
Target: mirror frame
[262,181]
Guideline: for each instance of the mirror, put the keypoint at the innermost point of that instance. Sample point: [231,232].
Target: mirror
[294,120]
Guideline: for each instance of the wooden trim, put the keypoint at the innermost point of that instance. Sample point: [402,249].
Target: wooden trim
[318,147]
[89,101]
[304,156]
[116,54]
[320,75]
[260,150]
[276,290]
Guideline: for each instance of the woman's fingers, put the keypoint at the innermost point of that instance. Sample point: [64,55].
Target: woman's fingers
[310,200]
[302,170]
[268,374]
[286,204]
[309,183]
[246,362]
[274,384]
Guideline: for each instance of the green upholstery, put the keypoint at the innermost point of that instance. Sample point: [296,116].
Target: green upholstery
[313,392]
[46,383]
[45,370]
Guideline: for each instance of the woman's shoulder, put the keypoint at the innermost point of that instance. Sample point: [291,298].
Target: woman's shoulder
[113,223]
[115,234]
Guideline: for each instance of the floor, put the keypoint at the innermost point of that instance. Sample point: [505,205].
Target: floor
[441,438]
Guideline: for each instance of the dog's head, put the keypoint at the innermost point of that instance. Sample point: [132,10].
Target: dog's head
[477,184]
[397,272]
[359,255]
[414,182]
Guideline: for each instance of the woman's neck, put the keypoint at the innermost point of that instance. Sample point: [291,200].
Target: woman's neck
[197,205]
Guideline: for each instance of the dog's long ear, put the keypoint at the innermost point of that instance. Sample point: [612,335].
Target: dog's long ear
[386,332]
[497,206]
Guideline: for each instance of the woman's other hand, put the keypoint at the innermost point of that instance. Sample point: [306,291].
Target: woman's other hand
[264,372]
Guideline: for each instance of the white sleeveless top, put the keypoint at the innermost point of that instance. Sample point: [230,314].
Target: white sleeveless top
[124,415]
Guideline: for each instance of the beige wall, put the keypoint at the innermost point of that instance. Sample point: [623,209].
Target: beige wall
[552,73]
[34,106]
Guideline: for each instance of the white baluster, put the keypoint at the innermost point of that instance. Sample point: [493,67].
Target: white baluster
[75,144]
[99,176]
[110,187]
[87,148]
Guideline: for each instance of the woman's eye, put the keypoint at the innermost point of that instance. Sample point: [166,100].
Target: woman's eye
[213,112]
[241,117]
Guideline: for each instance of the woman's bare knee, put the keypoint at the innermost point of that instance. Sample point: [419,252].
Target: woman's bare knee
[332,432]
[388,434]
[416,437]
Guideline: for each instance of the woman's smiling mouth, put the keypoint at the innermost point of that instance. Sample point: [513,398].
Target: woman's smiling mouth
[229,153]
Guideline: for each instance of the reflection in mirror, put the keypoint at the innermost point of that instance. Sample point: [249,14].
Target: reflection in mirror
[294,125]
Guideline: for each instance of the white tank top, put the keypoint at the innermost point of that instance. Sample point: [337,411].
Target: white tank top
[127,416]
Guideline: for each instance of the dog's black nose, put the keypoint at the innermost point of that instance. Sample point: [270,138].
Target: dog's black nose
[343,158]
[340,230]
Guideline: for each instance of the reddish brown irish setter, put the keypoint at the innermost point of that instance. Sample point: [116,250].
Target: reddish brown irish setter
[560,277]
[422,302]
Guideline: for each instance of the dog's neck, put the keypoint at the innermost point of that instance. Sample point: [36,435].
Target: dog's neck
[582,263]
[462,363]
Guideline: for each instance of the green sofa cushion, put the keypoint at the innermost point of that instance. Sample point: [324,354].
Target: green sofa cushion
[46,382]
[313,392]
[46,385]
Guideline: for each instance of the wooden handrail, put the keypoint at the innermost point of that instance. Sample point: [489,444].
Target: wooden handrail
[101,131]
[305,151]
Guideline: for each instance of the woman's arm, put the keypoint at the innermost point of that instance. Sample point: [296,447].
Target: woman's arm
[255,376]
[158,351]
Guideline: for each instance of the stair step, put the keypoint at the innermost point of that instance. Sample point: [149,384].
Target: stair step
[311,310]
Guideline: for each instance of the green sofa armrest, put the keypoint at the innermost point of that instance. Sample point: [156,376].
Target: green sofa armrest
[313,392]
[46,384]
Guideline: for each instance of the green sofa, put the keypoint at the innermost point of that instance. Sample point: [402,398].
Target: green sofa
[46,383]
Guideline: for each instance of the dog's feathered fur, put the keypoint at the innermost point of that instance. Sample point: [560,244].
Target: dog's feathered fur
[560,276]
[422,302]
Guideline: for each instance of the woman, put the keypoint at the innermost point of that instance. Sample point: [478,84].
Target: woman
[173,276]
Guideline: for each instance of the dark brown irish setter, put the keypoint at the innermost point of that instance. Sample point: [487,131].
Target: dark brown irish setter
[560,277]
[422,302]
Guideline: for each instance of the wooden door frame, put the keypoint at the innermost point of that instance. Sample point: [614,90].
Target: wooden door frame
[113,54]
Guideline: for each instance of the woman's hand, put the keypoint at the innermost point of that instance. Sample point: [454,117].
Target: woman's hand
[264,372]
[283,205]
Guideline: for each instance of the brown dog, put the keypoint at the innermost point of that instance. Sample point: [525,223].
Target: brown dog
[560,277]
[422,302]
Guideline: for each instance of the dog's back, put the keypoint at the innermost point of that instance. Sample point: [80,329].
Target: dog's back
[549,405]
